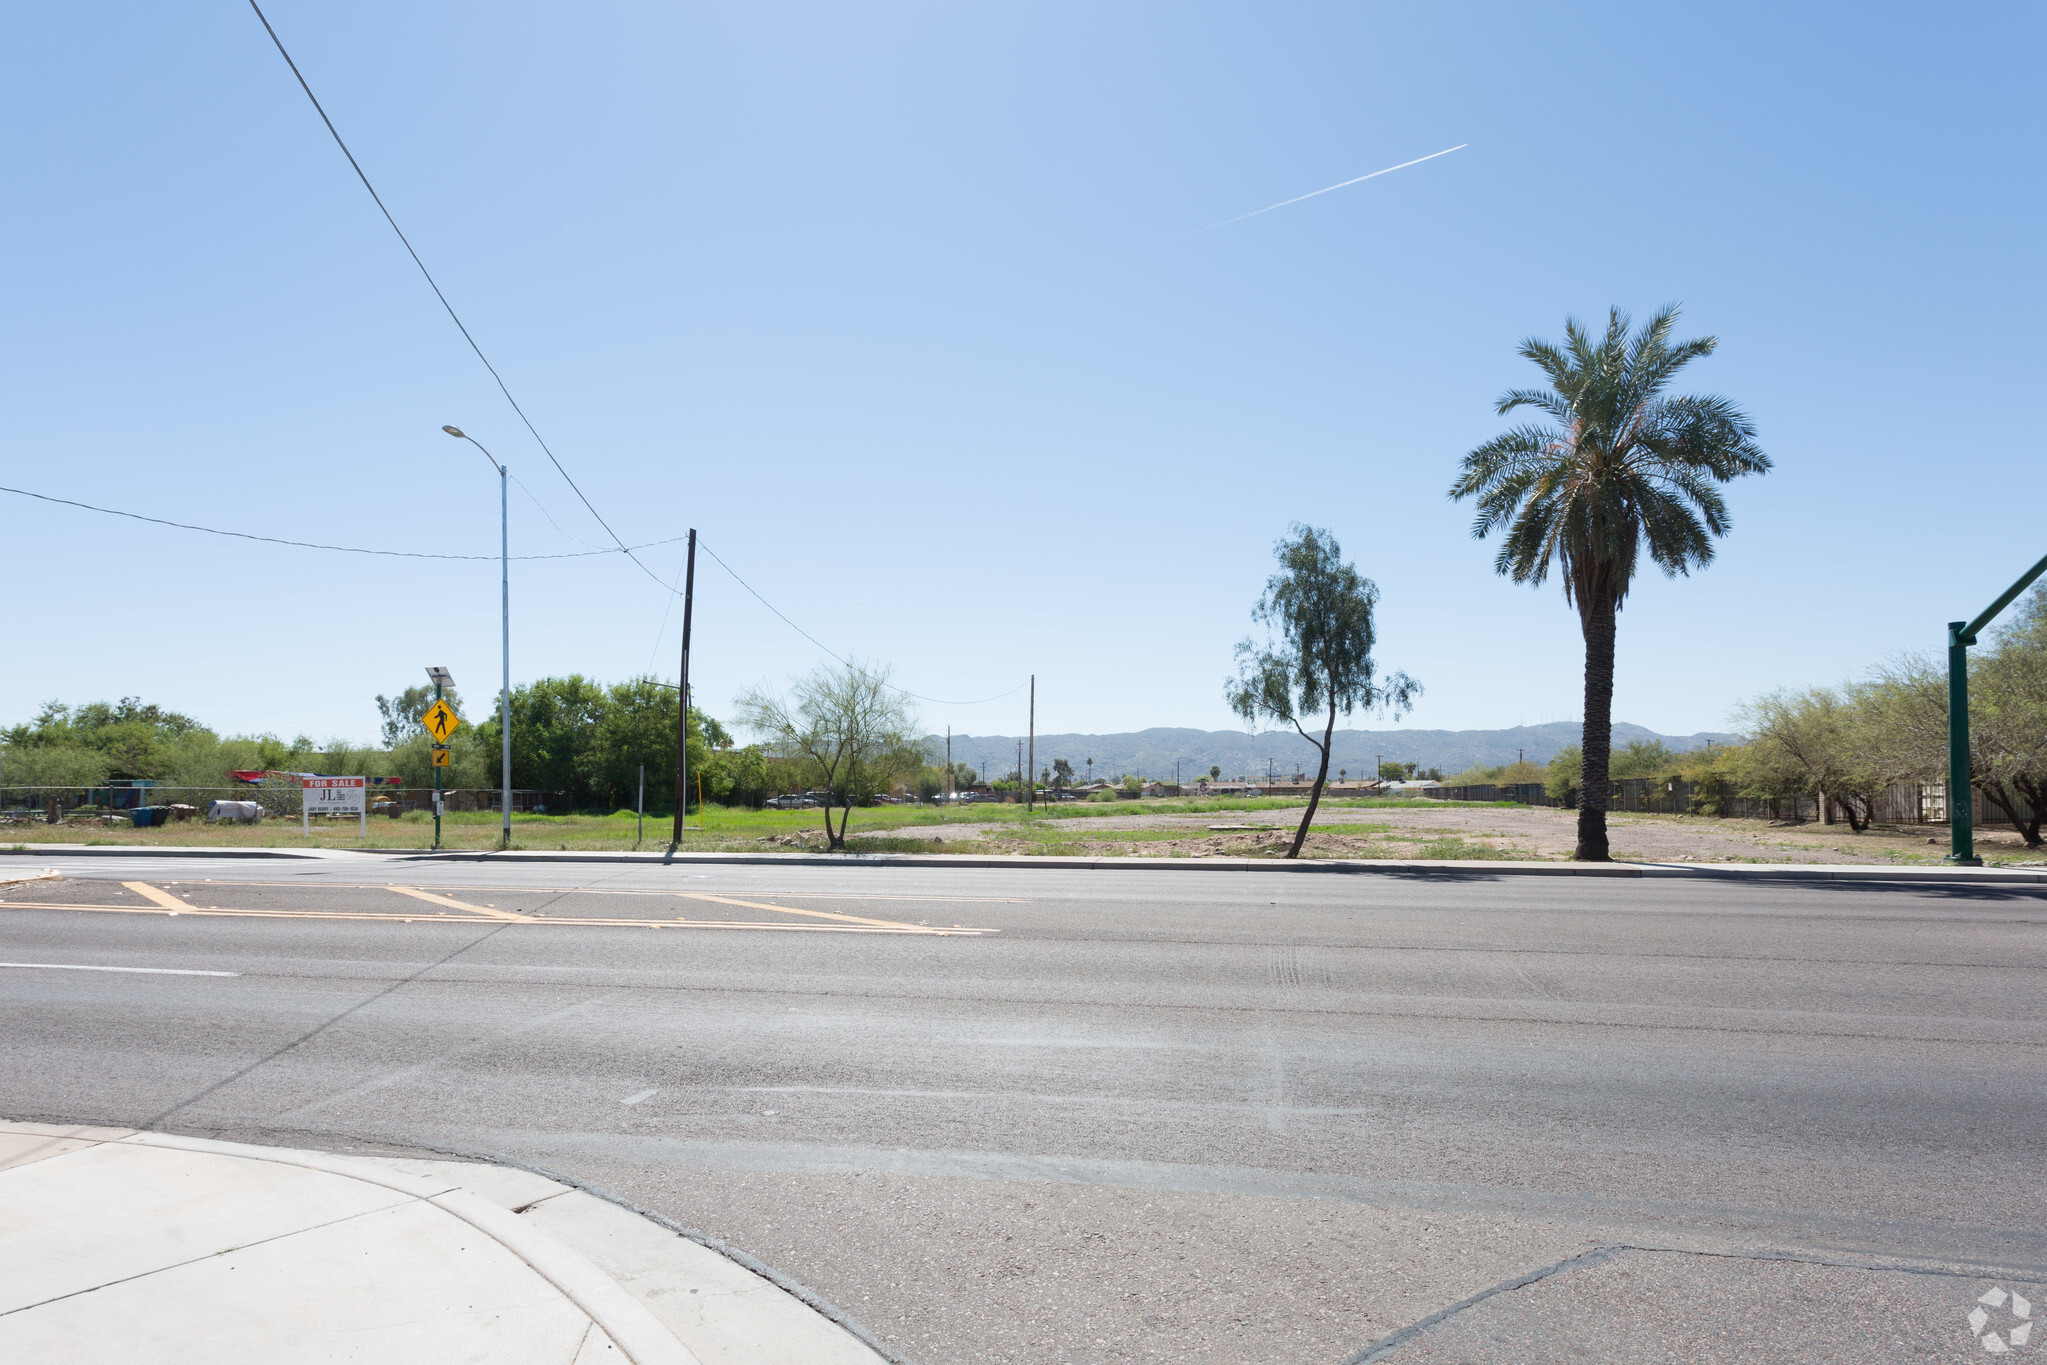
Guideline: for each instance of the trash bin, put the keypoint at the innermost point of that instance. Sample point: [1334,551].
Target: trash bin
[147,817]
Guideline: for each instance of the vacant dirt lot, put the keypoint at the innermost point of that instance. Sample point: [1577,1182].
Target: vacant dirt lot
[1526,832]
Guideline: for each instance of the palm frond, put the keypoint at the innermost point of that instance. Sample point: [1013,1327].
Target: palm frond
[1678,540]
[1548,400]
[1622,469]
[1553,362]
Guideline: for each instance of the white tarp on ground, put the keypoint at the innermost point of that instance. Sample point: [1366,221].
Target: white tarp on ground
[247,812]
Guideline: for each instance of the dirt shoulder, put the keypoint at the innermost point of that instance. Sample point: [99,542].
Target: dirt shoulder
[1127,829]
[1520,832]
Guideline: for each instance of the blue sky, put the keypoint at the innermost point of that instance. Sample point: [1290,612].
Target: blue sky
[894,306]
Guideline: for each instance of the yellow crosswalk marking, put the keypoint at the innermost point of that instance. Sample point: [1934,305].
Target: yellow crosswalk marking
[561,922]
[431,899]
[792,910]
[163,898]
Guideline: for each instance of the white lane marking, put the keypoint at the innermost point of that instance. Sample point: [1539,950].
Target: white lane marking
[154,971]
[635,1099]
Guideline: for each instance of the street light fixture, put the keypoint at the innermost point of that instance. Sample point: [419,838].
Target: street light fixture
[505,619]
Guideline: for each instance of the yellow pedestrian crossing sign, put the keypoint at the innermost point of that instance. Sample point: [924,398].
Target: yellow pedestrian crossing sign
[440,721]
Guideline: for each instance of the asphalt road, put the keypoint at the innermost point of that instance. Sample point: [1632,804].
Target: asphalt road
[1132,1115]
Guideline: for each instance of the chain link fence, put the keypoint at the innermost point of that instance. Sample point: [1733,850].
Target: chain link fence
[280,798]
[1903,803]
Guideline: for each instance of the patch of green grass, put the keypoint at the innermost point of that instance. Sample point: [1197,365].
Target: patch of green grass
[723,828]
[872,843]
[1455,847]
[1133,836]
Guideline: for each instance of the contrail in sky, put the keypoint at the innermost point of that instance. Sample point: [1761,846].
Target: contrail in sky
[1312,193]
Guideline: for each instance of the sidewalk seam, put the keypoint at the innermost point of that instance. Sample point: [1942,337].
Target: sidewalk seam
[415,1187]
[641,1336]
[207,1256]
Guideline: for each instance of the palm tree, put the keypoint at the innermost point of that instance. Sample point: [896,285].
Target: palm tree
[1618,468]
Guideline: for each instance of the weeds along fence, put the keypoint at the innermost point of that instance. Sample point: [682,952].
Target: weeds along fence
[158,805]
[1904,803]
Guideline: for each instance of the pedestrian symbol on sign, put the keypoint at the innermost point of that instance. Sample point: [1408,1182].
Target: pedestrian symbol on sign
[440,721]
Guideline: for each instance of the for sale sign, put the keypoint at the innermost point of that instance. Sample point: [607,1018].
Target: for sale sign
[334,796]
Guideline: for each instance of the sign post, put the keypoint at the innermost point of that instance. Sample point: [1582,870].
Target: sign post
[439,721]
[334,796]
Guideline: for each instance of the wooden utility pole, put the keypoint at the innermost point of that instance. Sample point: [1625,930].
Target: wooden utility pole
[689,592]
[948,765]
[1032,775]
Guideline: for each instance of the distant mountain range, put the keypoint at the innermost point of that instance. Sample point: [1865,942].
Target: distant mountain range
[1155,752]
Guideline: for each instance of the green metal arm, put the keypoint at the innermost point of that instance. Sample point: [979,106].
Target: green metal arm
[2011,595]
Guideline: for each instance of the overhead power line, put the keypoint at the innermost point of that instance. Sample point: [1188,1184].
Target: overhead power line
[541,508]
[313,545]
[456,318]
[936,701]
[453,316]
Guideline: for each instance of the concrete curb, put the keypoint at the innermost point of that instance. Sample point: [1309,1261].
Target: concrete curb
[1420,868]
[638,1333]
[132,851]
[802,1293]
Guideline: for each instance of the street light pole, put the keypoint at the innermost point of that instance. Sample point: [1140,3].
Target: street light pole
[505,622]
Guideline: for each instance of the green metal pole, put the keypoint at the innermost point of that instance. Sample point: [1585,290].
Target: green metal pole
[437,786]
[1961,792]
[1961,814]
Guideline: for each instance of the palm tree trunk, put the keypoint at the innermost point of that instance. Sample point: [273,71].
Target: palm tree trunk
[1596,743]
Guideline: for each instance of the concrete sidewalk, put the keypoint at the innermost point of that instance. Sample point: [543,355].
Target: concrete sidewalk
[151,1249]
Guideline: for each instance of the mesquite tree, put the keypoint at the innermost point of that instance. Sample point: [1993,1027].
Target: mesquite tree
[848,727]
[1318,655]
[1619,468]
